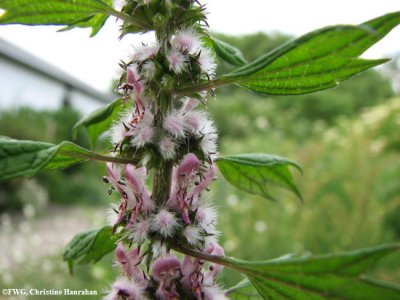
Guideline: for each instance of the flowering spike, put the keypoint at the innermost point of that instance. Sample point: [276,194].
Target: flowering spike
[158,131]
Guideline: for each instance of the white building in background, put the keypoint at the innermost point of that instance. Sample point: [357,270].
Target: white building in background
[26,80]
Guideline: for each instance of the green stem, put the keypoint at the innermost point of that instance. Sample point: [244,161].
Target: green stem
[162,174]
[98,157]
[162,177]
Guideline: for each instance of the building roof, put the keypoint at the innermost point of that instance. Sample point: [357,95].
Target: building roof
[27,60]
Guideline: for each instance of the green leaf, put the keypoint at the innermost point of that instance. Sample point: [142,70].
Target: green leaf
[256,172]
[95,22]
[320,277]
[243,290]
[89,246]
[316,61]
[227,52]
[26,158]
[100,120]
[73,13]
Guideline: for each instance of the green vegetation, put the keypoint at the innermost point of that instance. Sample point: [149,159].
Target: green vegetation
[346,140]
[52,127]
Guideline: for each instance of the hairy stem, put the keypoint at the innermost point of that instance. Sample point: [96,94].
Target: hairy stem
[162,177]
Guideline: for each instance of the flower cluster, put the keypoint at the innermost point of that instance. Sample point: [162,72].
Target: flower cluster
[151,69]
[169,278]
[184,218]
[160,15]
[165,127]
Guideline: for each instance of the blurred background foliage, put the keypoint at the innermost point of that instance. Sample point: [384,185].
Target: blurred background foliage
[346,140]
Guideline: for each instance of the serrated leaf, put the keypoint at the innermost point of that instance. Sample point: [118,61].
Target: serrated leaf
[73,13]
[316,61]
[26,158]
[319,277]
[99,120]
[256,173]
[228,53]
[89,246]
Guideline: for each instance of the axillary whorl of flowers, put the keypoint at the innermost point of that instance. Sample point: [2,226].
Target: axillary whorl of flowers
[175,142]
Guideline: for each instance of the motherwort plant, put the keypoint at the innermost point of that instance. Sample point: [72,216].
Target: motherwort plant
[162,156]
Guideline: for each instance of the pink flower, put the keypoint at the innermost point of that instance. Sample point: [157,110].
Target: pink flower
[193,235]
[167,148]
[184,176]
[165,270]
[130,263]
[187,170]
[206,216]
[164,223]
[186,40]
[205,181]
[195,121]
[192,276]
[143,52]
[135,178]
[125,288]
[176,61]
[133,79]
[140,231]
[114,177]
[114,173]
[142,136]
[141,129]
[174,123]
[213,248]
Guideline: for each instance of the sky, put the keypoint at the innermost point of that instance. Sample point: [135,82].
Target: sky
[95,60]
